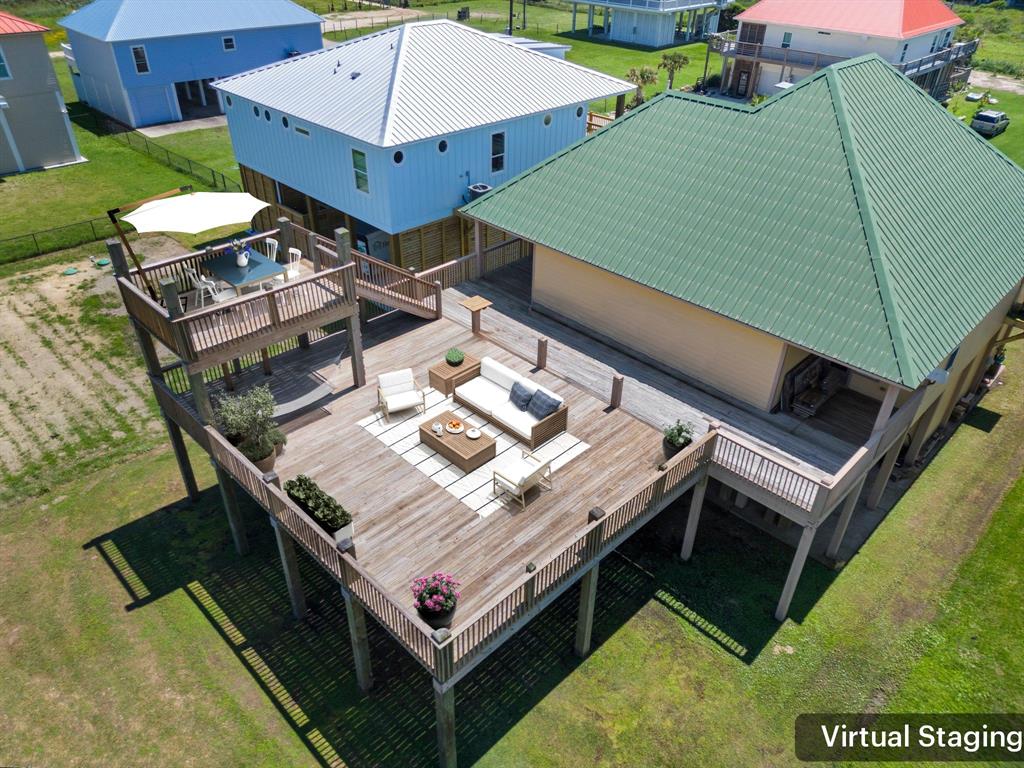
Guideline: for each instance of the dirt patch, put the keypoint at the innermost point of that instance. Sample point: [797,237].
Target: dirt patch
[995,82]
[61,387]
[335,22]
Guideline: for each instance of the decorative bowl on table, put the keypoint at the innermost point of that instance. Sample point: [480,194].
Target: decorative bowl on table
[473,433]
[454,426]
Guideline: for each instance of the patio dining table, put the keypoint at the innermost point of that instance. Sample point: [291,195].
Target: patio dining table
[259,270]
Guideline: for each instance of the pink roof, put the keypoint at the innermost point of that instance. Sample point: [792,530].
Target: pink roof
[12,25]
[880,18]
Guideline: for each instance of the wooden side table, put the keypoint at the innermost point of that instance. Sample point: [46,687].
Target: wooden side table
[445,378]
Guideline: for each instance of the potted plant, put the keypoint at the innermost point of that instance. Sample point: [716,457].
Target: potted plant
[676,437]
[435,597]
[321,506]
[454,357]
[997,361]
[247,422]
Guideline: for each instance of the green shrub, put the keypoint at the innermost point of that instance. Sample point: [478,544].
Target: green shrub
[322,507]
[247,420]
[455,356]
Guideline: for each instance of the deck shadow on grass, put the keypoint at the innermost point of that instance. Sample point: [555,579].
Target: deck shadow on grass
[305,668]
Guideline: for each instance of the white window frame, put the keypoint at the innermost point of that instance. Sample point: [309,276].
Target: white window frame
[502,154]
[224,43]
[935,44]
[145,54]
[365,172]
[903,53]
[6,65]
[787,40]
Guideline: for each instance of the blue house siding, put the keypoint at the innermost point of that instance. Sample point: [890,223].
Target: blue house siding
[426,186]
[108,79]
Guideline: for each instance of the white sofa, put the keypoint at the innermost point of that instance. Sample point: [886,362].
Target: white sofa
[488,395]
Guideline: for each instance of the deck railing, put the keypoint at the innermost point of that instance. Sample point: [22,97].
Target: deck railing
[452,272]
[752,462]
[149,314]
[955,53]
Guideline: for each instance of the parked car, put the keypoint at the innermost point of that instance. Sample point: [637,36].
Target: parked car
[989,122]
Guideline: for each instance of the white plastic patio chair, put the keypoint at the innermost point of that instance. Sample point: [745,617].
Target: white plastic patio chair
[525,473]
[398,391]
[205,288]
[291,270]
[270,248]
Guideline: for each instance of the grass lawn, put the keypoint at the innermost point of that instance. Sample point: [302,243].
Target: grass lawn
[133,634]
[1001,30]
[1010,141]
[209,146]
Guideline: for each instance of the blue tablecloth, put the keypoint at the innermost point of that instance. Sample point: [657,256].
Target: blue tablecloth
[260,269]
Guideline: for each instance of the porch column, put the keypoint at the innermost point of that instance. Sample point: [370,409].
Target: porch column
[590,21]
[886,408]
[444,712]
[713,25]
[360,644]
[356,343]
[188,477]
[202,92]
[693,519]
[585,616]
[849,505]
[620,105]
[230,501]
[795,569]
[878,487]
[921,433]
[478,246]
[574,17]
[188,90]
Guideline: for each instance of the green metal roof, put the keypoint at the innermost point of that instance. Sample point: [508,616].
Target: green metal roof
[851,215]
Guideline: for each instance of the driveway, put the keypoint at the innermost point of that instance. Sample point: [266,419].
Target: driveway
[989,81]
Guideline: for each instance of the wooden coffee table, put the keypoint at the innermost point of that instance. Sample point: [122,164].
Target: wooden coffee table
[445,378]
[464,453]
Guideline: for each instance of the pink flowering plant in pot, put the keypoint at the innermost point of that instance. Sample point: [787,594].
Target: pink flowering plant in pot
[435,597]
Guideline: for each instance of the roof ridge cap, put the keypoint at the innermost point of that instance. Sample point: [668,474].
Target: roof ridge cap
[890,307]
[393,86]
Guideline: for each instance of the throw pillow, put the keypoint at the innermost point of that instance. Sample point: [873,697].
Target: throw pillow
[520,396]
[543,405]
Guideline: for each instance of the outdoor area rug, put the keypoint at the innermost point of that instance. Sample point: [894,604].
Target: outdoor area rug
[401,434]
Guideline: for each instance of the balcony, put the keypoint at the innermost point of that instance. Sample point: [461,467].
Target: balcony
[956,54]
[654,6]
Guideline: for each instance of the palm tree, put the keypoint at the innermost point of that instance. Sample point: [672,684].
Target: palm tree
[640,77]
[673,62]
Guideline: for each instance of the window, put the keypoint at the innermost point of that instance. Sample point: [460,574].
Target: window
[284,121]
[547,119]
[579,111]
[442,146]
[945,41]
[497,152]
[266,115]
[228,43]
[787,39]
[935,44]
[5,71]
[140,58]
[228,100]
[903,53]
[256,111]
[301,131]
[399,157]
[827,34]
[359,169]
[291,198]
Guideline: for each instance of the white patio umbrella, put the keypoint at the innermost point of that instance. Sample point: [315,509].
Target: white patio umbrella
[195,212]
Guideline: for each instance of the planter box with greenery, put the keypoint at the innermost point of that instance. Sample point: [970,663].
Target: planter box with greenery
[323,508]
[435,597]
[676,437]
[454,357]
[247,422]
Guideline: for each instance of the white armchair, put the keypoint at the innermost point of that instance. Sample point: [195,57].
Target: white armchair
[516,479]
[398,391]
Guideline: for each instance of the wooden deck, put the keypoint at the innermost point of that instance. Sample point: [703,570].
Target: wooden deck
[407,525]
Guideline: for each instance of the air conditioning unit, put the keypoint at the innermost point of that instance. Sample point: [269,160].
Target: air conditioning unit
[478,189]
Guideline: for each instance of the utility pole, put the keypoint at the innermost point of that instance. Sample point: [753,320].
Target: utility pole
[511,13]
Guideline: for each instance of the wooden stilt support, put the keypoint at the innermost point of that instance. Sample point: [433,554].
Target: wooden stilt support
[795,569]
[921,433]
[849,505]
[360,644]
[884,471]
[289,562]
[585,616]
[181,455]
[235,520]
[542,353]
[693,519]
[444,711]
[355,336]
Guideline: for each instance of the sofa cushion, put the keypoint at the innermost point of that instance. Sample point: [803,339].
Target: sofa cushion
[396,381]
[543,404]
[520,396]
[501,375]
[403,400]
[518,422]
[483,395]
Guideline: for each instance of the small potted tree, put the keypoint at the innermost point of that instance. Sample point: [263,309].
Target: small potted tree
[676,437]
[247,422]
[321,506]
[435,597]
[455,357]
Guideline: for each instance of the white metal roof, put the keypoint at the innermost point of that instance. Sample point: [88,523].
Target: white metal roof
[419,80]
[119,20]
